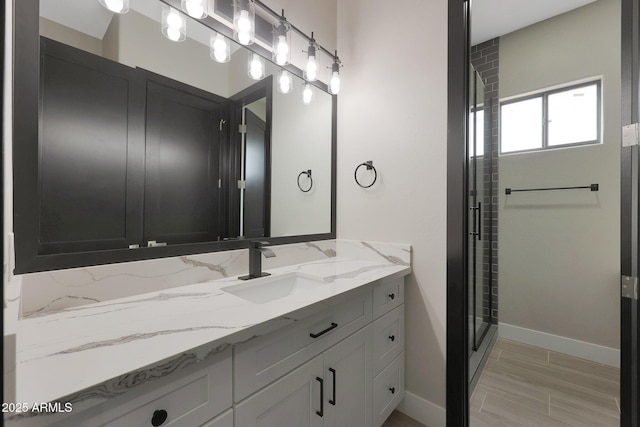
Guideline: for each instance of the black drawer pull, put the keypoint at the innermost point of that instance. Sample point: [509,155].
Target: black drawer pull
[333,326]
[392,338]
[159,417]
[321,411]
[392,296]
[333,401]
[392,390]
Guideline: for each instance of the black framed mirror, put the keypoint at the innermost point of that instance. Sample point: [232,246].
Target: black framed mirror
[130,146]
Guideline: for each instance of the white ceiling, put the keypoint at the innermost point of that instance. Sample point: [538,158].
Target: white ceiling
[493,18]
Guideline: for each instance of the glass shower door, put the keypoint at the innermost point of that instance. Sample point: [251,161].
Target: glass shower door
[478,185]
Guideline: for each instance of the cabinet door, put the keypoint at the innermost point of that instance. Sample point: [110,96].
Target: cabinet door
[293,400]
[348,371]
[91,153]
[182,163]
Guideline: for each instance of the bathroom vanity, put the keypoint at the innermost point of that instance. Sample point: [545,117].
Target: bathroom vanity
[320,343]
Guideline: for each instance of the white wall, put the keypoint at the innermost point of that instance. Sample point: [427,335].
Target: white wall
[141,44]
[392,110]
[560,251]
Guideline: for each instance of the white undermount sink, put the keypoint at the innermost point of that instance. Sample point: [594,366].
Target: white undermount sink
[271,288]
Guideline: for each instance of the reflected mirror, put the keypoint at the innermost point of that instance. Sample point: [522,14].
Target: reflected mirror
[157,130]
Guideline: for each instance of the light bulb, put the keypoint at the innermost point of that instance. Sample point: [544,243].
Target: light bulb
[173,34]
[116,6]
[307,94]
[256,67]
[244,23]
[282,51]
[334,83]
[195,8]
[220,55]
[174,25]
[174,21]
[220,48]
[285,82]
[244,38]
[311,69]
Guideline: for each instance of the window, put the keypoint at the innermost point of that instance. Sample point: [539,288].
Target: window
[557,118]
[476,133]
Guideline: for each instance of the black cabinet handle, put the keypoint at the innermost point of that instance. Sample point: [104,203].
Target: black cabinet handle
[321,411]
[333,401]
[392,296]
[159,417]
[333,326]
[392,338]
[392,390]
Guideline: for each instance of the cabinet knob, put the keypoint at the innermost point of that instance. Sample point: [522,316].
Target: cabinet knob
[159,417]
[392,296]
[392,338]
[392,390]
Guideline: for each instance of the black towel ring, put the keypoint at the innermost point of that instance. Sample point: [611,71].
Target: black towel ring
[369,166]
[308,174]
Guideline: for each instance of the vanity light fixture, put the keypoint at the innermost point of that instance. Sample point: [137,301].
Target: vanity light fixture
[285,82]
[195,8]
[219,48]
[334,78]
[116,6]
[174,25]
[311,67]
[244,21]
[256,66]
[282,41]
[307,94]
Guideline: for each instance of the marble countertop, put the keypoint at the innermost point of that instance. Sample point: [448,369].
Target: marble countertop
[89,353]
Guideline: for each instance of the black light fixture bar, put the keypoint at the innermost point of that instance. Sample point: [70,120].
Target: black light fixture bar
[592,187]
[293,27]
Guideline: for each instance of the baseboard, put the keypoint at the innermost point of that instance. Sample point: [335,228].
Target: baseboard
[422,410]
[581,349]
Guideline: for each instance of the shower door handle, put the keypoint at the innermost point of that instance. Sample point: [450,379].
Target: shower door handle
[478,216]
[479,221]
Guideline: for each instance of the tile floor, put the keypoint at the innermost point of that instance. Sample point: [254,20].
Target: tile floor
[398,419]
[523,385]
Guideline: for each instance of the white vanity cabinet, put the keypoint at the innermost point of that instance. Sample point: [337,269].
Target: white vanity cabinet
[199,395]
[332,389]
[352,372]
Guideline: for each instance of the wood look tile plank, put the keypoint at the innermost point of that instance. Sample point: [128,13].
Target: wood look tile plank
[523,388]
[524,350]
[512,414]
[580,414]
[586,366]
[398,419]
[557,376]
[534,398]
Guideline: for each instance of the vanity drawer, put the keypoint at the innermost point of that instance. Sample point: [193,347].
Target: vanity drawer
[387,295]
[192,398]
[224,420]
[263,360]
[388,390]
[388,338]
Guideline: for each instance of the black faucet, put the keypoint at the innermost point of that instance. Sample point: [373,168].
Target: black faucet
[256,249]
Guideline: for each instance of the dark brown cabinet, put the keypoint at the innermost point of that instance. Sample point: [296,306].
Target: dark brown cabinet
[91,153]
[125,157]
[182,172]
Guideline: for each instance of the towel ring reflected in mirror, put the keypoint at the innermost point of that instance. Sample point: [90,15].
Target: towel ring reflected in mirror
[310,179]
